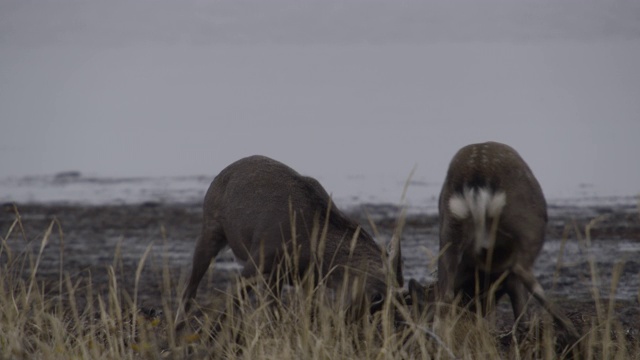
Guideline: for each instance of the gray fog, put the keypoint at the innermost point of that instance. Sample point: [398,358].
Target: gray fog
[355,93]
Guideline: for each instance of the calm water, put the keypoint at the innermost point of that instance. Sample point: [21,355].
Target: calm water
[356,94]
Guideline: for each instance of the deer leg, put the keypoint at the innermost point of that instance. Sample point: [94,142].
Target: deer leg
[211,241]
[449,281]
[264,268]
[519,296]
[242,292]
[532,284]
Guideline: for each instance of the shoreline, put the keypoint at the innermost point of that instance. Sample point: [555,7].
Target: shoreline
[93,240]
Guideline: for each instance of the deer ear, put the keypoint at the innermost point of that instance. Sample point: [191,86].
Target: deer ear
[376,302]
[377,299]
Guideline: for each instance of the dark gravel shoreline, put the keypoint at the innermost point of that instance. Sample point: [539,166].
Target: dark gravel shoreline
[95,238]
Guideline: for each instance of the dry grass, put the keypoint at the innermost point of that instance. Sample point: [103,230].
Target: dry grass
[81,323]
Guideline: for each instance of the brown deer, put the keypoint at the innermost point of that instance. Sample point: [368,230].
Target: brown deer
[264,210]
[493,217]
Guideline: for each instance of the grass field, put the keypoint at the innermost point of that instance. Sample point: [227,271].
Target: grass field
[69,316]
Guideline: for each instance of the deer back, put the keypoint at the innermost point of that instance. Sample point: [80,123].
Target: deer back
[490,199]
[264,205]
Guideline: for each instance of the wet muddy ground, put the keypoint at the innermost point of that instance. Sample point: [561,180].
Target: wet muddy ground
[586,250]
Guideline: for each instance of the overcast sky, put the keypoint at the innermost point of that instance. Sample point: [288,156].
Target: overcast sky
[355,93]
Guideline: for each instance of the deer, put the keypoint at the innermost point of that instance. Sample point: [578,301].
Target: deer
[493,218]
[264,211]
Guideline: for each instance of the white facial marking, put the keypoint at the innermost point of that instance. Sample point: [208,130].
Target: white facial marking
[459,207]
[481,204]
[497,203]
